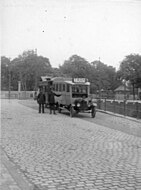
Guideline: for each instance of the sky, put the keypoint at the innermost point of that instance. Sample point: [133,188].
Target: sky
[93,29]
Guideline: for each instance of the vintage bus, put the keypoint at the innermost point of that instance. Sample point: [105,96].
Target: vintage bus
[75,95]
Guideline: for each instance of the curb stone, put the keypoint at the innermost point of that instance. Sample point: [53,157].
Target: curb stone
[22,183]
[118,115]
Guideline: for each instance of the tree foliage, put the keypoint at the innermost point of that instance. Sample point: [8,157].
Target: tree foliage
[5,70]
[104,76]
[27,68]
[130,69]
[75,66]
[100,75]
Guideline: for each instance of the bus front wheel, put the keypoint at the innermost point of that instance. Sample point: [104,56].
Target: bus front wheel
[71,111]
[93,112]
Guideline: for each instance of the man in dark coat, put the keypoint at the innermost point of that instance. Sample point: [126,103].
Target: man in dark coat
[41,99]
[51,100]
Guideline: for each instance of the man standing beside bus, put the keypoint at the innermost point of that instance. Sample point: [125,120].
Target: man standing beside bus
[41,99]
[51,100]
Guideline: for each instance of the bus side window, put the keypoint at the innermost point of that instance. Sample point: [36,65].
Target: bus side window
[63,87]
[68,87]
[60,87]
[53,86]
[56,86]
[44,88]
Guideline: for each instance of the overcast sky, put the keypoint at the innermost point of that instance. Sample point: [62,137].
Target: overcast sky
[109,29]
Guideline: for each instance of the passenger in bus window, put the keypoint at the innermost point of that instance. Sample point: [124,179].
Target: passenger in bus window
[41,99]
[51,100]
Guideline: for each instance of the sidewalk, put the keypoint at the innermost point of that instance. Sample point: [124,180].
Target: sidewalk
[7,181]
[119,115]
[11,177]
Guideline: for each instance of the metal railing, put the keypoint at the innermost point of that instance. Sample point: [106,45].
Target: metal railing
[124,107]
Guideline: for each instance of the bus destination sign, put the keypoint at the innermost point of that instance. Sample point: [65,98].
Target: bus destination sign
[79,80]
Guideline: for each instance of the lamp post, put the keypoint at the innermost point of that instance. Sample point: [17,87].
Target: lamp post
[19,89]
[9,81]
[124,84]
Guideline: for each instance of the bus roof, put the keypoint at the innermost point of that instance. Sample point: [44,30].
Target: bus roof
[68,81]
[61,79]
[45,78]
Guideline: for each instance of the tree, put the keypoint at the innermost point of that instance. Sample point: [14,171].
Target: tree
[130,69]
[100,75]
[75,66]
[104,76]
[57,73]
[5,71]
[28,68]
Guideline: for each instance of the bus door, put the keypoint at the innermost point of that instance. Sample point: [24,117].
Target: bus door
[68,94]
[63,94]
[60,90]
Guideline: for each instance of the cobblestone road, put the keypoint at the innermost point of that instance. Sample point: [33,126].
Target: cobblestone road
[113,121]
[56,152]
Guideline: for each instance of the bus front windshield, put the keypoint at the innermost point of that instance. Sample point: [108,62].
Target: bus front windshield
[79,91]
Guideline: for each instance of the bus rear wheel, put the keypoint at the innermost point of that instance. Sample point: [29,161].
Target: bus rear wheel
[59,110]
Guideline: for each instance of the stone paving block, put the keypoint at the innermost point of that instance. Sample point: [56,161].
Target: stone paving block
[4,187]
[130,188]
[103,188]
[14,187]
[79,188]
[71,186]
[61,188]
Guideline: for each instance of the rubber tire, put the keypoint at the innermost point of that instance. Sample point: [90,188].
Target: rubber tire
[71,112]
[93,113]
[59,110]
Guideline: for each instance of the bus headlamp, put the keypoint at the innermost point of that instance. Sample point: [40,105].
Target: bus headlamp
[89,105]
[78,104]
[94,104]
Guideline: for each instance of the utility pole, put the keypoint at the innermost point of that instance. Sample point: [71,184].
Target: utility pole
[99,82]
[124,84]
[19,89]
[9,81]
[36,51]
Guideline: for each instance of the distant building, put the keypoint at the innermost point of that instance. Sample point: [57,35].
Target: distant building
[122,93]
[139,93]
